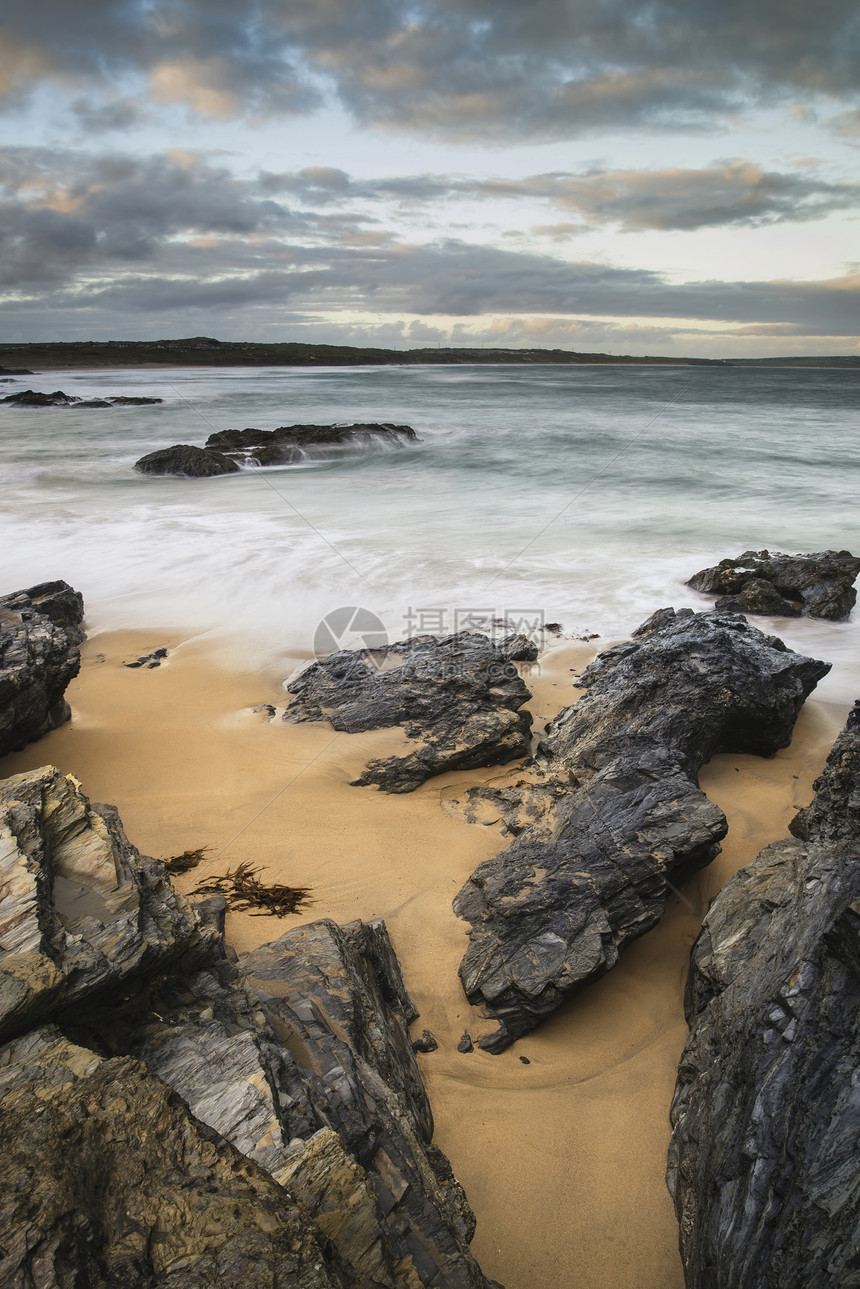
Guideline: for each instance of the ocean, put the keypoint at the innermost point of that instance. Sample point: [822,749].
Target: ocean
[583,496]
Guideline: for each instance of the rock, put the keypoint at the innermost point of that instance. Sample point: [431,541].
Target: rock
[291,443]
[148,660]
[834,814]
[614,817]
[818,586]
[334,996]
[32,398]
[39,636]
[227,451]
[426,1043]
[262,1124]
[16,371]
[458,696]
[132,400]
[108,1180]
[187,460]
[82,912]
[766,1113]
[465,1044]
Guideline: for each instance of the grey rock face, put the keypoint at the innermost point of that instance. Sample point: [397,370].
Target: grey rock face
[819,585]
[187,460]
[766,1113]
[217,1124]
[616,816]
[458,696]
[39,636]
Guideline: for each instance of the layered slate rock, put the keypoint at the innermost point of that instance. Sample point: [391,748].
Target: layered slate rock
[227,451]
[817,586]
[40,630]
[614,817]
[81,911]
[213,1133]
[766,1113]
[458,697]
[109,1180]
[335,997]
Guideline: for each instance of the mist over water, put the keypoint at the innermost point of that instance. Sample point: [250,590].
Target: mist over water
[583,494]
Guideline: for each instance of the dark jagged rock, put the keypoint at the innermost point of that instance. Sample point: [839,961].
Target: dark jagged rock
[286,445]
[834,813]
[39,636]
[291,443]
[818,586]
[615,816]
[458,696]
[259,1124]
[16,371]
[766,1113]
[187,460]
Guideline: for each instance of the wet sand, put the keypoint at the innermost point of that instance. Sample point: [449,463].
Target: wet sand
[563,1157]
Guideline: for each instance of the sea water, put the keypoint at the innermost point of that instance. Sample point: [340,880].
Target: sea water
[584,496]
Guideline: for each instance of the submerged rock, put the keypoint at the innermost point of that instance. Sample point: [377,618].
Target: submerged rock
[457,696]
[169,1117]
[291,443]
[187,460]
[227,451]
[615,817]
[39,636]
[33,398]
[766,1113]
[818,586]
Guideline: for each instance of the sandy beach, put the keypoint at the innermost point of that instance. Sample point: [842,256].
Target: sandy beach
[561,1141]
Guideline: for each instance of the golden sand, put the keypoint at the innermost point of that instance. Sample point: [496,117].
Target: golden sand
[562,1158]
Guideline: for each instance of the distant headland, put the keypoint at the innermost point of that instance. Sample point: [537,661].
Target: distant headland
[204,351]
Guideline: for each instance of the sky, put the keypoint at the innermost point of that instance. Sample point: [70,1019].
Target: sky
[675,177]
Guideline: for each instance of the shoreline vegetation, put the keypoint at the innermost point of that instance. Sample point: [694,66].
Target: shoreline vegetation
[204,351]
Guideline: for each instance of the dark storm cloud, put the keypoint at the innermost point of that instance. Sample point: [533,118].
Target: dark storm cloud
[455,67]
[726,193]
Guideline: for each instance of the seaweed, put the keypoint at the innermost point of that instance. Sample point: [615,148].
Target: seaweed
[244,891]
[188,859]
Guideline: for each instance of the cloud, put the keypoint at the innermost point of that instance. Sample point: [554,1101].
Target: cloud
[727,193]
[100,118]
[173,231]
[458,68]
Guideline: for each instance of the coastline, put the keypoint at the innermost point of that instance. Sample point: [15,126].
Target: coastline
[562,1158]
